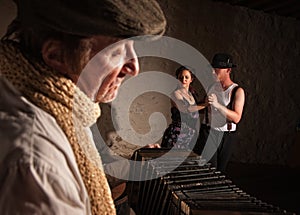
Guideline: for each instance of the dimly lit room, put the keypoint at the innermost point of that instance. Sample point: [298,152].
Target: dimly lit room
[263,39]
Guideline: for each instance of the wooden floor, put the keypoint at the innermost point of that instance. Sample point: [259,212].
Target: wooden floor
[278,186]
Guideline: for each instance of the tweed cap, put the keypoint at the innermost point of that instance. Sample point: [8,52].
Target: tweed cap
[120,18]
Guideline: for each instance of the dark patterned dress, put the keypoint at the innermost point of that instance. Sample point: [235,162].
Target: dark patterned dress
[182,130]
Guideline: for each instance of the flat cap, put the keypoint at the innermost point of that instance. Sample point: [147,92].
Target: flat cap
[120,18]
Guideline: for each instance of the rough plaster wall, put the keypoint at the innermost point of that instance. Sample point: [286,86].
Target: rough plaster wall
[266,49]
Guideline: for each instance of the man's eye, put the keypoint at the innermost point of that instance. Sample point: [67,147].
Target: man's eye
[116,53]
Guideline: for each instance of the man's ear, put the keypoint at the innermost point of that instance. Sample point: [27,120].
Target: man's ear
[53,55]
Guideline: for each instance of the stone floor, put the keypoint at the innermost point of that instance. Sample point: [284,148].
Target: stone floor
[278,186]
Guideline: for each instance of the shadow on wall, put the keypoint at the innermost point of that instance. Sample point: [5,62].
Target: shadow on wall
[8,13]
[294,158]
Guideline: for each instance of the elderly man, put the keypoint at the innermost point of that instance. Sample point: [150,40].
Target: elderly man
[49,164]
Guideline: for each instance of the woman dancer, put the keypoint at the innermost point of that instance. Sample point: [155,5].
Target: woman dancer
[181,133]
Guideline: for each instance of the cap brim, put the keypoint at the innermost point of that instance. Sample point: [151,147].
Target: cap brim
[223,67]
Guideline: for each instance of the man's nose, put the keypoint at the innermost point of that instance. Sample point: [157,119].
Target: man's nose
[131,66]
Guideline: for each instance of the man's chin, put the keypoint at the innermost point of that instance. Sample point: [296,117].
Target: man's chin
[106,101]
[107,98]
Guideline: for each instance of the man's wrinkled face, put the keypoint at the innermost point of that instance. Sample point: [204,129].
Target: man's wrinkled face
[111,60]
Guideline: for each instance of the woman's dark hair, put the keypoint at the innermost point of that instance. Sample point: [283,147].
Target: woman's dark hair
[182,68]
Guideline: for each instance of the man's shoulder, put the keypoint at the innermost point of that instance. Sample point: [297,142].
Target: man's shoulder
[16,116]
[238,90]
[237,87]
[11,100]
[22,124]
[34,149]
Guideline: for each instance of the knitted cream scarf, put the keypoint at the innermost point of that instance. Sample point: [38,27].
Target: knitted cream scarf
[71,108]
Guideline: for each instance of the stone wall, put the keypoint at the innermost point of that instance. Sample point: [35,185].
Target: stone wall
[265,47]
[267,50]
